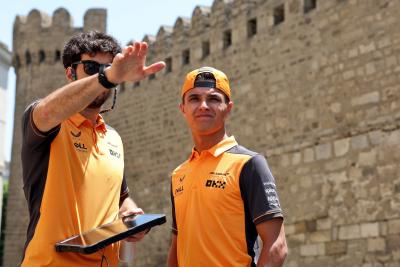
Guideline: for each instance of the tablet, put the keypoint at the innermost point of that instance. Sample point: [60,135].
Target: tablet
[104,235]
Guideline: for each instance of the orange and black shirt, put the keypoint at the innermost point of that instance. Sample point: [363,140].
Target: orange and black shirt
[218,197]
[73,182]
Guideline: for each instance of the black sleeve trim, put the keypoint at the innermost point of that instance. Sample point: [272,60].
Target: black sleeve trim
[34,127]
[258,190]
[124,191]
[33,138]
[267,217]
[174,226]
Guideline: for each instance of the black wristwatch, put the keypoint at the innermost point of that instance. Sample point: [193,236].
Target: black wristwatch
[103,79]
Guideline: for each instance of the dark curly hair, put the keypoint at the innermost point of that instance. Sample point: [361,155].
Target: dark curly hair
[88,43]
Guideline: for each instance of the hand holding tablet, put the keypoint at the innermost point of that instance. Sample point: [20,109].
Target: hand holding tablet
[102,236]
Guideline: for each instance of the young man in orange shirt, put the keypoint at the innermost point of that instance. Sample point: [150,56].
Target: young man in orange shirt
[224,195]
[72,161]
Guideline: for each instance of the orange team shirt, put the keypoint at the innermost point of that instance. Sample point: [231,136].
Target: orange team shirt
[218,197]
[73,182]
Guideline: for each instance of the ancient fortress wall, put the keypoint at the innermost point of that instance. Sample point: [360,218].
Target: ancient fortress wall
[316,90]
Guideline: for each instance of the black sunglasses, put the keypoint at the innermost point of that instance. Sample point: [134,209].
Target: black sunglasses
[89,66]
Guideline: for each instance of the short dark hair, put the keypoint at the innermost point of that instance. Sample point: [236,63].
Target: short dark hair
[91,42]
[206,77]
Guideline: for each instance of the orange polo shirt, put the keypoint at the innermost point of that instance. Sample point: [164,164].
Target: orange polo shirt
[73,182]
[218,197]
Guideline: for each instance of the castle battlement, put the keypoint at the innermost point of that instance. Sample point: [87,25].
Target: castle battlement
[39,38]
[227,25]
[221,25]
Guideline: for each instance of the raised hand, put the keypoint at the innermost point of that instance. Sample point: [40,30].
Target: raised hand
[129,66]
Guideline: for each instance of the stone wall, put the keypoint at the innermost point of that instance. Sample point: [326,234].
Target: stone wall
[316,90]
[317,93]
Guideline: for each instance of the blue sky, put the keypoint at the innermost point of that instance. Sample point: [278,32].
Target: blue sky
[127,20]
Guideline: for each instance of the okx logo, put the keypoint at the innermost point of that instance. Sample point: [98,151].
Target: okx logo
[216,184]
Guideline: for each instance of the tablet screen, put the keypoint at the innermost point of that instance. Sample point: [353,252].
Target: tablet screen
[109,233]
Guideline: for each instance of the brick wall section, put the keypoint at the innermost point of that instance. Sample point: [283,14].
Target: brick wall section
[34,33]
[318,94]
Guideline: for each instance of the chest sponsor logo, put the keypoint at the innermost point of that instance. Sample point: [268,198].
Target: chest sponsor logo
[115,153]
[77,134]
[178,190]
[80,146]
[216,184]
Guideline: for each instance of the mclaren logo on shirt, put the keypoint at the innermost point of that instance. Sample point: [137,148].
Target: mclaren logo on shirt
[216,184]
[78,134]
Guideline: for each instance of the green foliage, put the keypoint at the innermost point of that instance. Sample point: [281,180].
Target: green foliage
[3,220]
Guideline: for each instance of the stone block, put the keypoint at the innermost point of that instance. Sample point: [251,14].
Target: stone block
[359,142]
[376,137]
[338,177]
[312,249]
[393,138]
[296,158]
[336,247]
[367,158]
[376,244]
[370,68]
[341,147]
[393,226]
[324,224]
[296,239]
[336,164]
[353,52]
[348,232]
[370,229]
[308,155]
[290,229]
[320,236]
[368,98]
[323,151]
[367,48]
[349,74]
[285,160]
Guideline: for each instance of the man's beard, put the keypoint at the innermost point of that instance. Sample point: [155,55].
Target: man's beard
[99,100]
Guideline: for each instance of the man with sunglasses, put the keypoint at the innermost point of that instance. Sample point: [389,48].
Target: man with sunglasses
[72,161]
[224,195]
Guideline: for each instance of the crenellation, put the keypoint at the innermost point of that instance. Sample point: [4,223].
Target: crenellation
[163,43]
[221,13]
[200,22]
[180,31]
[95,19]
[38,20]
[62,19]
[150,39]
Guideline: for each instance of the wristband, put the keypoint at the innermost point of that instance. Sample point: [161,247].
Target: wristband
[103,79]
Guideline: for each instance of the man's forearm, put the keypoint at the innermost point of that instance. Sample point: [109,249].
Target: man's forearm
[172,260]
[271,257]
[66,101]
